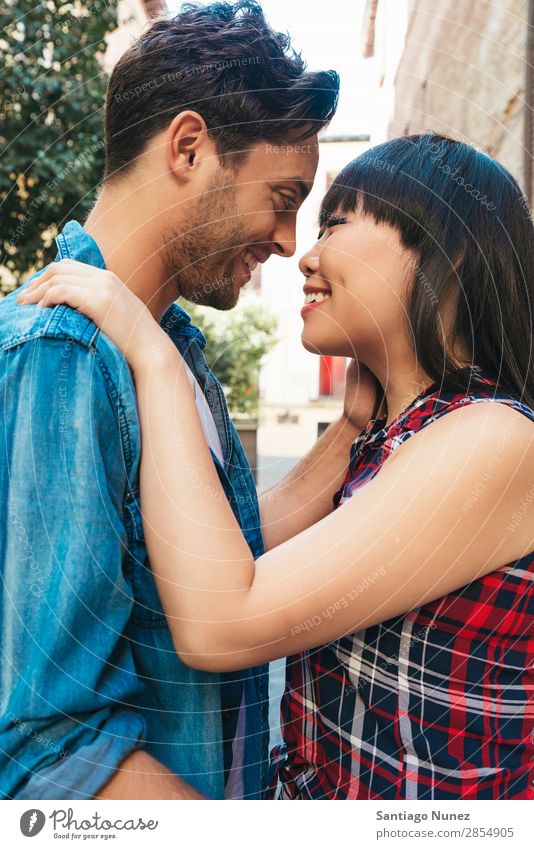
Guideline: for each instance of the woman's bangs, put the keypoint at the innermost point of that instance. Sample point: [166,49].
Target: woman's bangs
[368,186]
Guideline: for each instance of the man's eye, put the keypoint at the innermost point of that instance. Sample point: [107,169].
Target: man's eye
[289,203]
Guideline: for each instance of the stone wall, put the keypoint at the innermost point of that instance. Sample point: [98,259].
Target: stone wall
[462,73]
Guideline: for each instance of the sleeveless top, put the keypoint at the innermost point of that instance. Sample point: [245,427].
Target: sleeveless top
[435,704]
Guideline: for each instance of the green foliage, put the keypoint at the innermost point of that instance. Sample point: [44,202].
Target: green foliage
[236,343]
[52,90]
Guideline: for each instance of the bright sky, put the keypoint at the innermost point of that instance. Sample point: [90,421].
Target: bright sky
[329,36]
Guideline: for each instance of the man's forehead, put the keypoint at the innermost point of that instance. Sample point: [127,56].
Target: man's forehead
[292,161]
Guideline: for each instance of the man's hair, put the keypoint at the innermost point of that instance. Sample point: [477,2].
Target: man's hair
[225,62]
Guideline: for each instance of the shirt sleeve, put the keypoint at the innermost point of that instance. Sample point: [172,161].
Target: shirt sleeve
[68,680]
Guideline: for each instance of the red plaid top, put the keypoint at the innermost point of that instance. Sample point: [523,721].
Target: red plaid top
[435,704]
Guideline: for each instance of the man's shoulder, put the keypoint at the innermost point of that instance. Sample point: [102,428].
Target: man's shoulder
[20,325]
[48,347]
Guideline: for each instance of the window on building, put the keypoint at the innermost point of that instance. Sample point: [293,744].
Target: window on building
[332,376]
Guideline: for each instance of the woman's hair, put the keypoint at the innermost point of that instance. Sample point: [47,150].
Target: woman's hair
[224,61]
[466,219]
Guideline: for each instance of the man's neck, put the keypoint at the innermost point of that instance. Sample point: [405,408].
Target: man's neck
[127,242]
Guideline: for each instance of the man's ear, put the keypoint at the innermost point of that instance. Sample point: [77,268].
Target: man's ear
[186,144]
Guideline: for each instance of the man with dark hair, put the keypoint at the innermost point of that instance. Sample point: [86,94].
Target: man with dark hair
[211,147]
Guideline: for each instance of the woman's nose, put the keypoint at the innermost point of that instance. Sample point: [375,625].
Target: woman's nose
[309,262]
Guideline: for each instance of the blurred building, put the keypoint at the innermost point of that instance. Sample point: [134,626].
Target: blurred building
[132,17]
[382,44]
[460,70]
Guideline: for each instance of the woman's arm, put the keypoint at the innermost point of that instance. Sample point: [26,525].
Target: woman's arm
[404,539]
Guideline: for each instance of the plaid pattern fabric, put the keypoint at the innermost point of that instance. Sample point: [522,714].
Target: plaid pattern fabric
[434,704]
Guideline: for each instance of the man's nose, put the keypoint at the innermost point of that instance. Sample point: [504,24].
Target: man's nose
[284,238]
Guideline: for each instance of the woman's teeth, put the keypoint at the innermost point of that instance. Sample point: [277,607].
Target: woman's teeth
[315,297]
[249,260]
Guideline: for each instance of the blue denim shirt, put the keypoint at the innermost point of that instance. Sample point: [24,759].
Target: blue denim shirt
[89,672]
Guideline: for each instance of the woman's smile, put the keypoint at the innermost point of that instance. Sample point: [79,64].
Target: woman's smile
[314,297]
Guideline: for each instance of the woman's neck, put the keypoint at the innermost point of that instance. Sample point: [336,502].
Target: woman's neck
[401,395]
[402,384]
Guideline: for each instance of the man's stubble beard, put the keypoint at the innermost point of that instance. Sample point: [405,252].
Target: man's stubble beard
[199,262]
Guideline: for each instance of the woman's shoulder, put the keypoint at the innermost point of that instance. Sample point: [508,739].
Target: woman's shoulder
[472,424]
[482,449]
[464,429]
[449,419]
[479,391]
[481,404]
[496,424]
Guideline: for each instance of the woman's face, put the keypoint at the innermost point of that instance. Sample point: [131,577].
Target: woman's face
[358,271]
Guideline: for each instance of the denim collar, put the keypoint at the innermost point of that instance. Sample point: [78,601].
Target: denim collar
[76,243]
[176,319]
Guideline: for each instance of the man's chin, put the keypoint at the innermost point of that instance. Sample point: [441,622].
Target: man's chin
[218,300]
[221,292]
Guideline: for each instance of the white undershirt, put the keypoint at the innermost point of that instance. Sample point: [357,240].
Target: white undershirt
[206,417]
[234,788]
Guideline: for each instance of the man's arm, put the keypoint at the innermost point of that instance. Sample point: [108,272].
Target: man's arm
[304,496]
[67,671]
[140,776]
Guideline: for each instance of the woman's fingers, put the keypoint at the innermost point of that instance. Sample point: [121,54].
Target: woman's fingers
[65,293]
[102,284]
[34,295]
[80,297]
[67,267]
[101,296]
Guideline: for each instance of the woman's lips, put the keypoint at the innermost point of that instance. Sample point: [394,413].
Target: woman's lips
[314,305]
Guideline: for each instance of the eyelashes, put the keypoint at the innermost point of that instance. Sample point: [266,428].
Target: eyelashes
[330,222]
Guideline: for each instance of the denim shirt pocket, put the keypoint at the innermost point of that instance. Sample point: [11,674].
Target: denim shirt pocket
[147,610]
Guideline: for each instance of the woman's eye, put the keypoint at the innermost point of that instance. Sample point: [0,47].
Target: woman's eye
[330,222]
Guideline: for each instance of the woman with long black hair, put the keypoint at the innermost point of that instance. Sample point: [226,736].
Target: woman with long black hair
[408,612]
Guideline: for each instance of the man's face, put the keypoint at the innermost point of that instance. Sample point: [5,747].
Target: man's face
[244,215]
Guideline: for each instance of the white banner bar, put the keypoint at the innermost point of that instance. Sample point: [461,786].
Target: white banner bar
[232,825]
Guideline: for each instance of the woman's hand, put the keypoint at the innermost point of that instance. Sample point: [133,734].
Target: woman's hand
[363,393]
[102,297]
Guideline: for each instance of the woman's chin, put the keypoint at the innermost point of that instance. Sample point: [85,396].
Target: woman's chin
[320,346]
[311,346]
